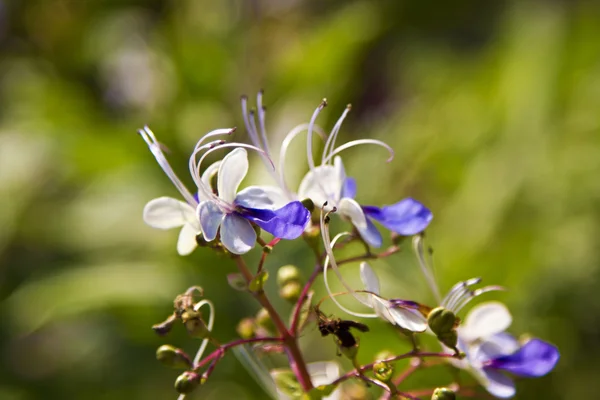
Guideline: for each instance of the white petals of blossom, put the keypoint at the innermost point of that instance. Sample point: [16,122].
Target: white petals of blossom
[207,176]
[168,213]
[187,240]
[262,197]
[232,171]
[324,373]
[498,384]
[484,320]
[210,216]
[237,235]
[320,185]
[397,316]
[352,210]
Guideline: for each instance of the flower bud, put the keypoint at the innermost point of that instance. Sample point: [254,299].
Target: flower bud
[450,339]
[291,291]
[312,235]
[442,321]
[286,274]
[443,394]
[383,371]
[187,382]
[196,327]
[263,320]
[308,204]
[245,328]
[258,282]
[173,357]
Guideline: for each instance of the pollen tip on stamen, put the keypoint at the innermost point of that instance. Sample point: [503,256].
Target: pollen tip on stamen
[349,107]
[261,92]
[232,130]
[244,97]
[323,103]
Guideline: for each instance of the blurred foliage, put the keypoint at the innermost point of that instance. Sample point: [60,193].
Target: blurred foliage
[492,109]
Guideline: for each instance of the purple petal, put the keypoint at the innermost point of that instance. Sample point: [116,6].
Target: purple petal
[349,188]
[406,217]
[535,358]
[287,222]
[399,303]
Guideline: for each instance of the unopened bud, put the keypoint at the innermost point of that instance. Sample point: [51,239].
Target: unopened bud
[442,321]
[443,394]
[383,371]
[286,274]
[450,339]
[245,328]
[194,324]
[258,282]
[263,320]
[173,357]
[312,235]
[291,291]
[308,204]
[187,382]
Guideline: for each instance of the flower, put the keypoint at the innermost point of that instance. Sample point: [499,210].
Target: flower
[328,182]
[490,351]
[229,211]
[232,211]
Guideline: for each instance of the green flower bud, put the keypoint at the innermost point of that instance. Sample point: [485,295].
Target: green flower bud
[312,235]
[263,320]
[286,274]
[291,291]
[245,328]
[308,204]
[443,394]
[187,382]
[173,357]
[441,320]
[450,339]
[258,282]
[383,371]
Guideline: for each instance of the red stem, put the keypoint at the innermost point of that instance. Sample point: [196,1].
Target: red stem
[221,350]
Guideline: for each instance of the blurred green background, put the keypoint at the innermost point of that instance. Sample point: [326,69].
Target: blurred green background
[492,108]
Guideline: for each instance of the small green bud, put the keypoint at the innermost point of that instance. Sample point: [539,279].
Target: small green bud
[291,291]
[196,327]
[264,320]
[441,320]
[312,235]
[308,204]
[443,394]
[383,371]
[173,357]
[245,328]
[258,282]
[286,274]
[187,382]
[450,339]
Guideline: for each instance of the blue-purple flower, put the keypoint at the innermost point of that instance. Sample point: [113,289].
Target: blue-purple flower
[491,353]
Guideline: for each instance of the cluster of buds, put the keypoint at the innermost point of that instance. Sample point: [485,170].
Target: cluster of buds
[218,216]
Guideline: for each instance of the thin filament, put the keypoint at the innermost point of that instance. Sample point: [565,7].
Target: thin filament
[418,248]
[309,151]
[360,142]
[330,144]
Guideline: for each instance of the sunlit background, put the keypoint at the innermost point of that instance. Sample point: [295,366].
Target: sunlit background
[492,108]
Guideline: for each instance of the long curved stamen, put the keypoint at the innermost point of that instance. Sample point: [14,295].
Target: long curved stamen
[360,142]
[246,115]
[458,292]
[474,294]
[211,322]
[309,152]
[284,148]
[155,147]
[419,250]
[261,121]
[330,144]
[195,170]
[330,259]
[200,146]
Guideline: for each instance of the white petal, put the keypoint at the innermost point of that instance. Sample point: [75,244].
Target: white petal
[369,278]
[409,320]
[265,197]
[498,384]
[232,171]
[187,240]
[323,373]
[484,320]
[352,210]
[207,177]
[499,345]
[210,216]
[321,185]
[237,235]
[167,213]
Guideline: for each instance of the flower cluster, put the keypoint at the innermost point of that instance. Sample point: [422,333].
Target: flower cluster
[220,216]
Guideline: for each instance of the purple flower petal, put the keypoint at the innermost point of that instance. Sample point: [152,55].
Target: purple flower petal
[287,222]
[349,188]
[406,217]
[535,358]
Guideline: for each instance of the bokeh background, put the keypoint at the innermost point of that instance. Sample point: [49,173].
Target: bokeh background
[492,108]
